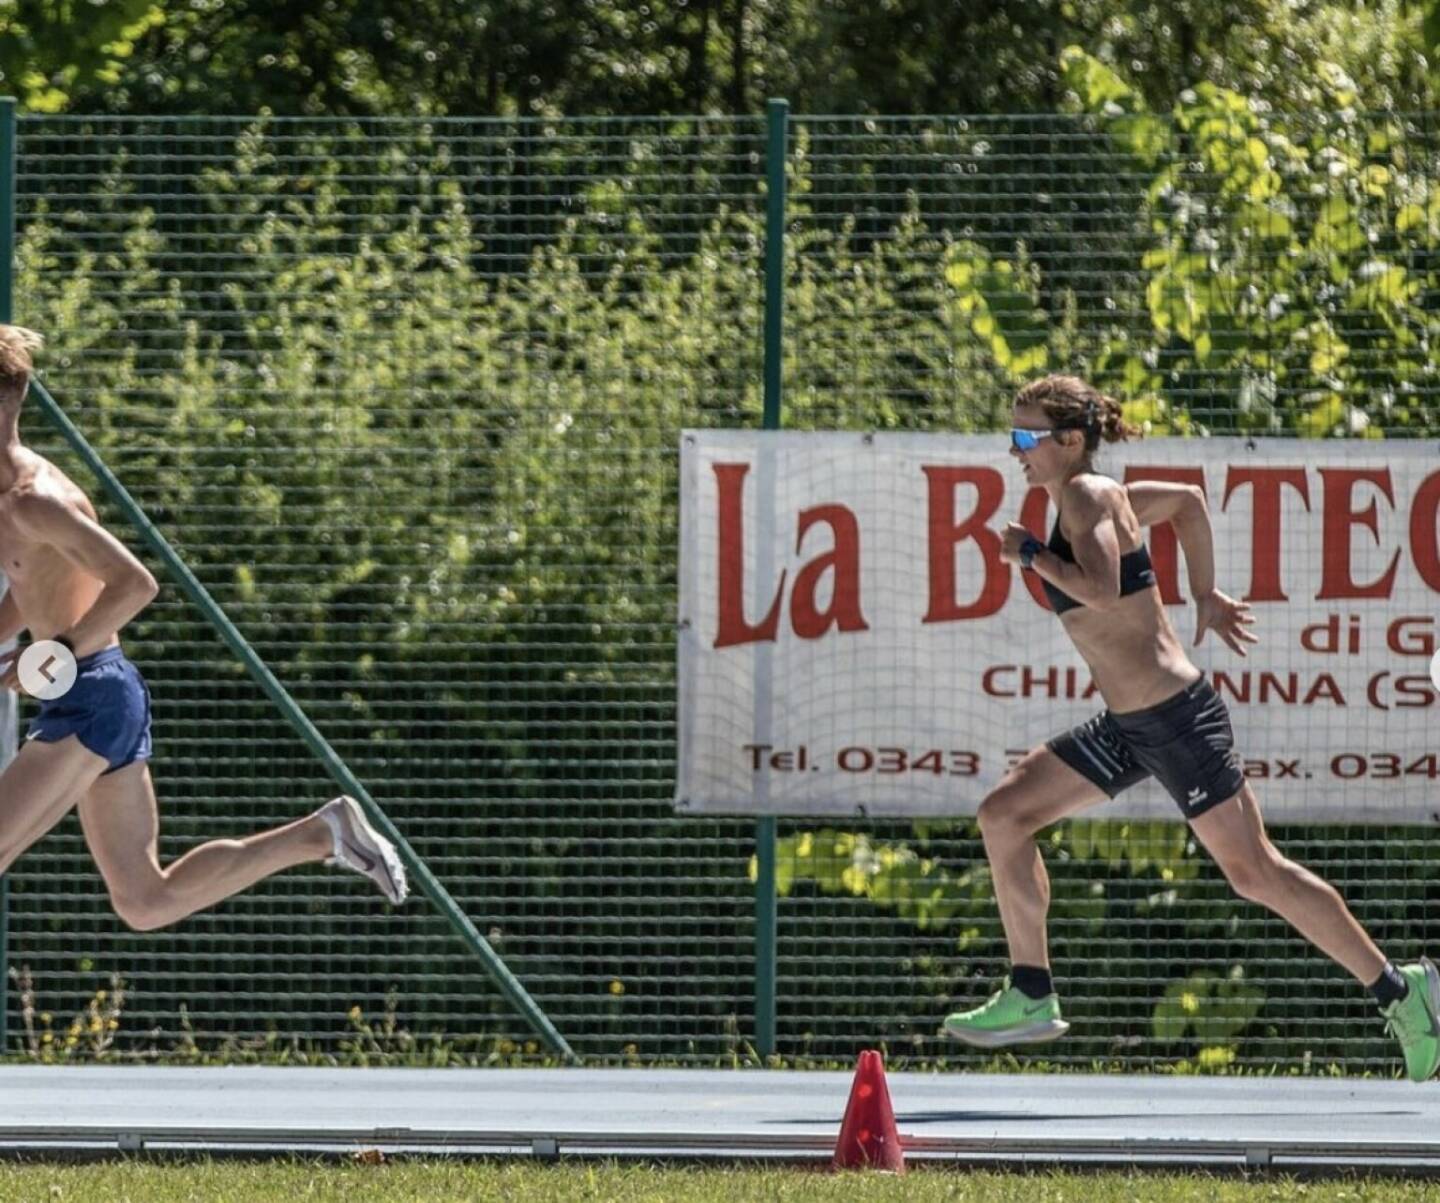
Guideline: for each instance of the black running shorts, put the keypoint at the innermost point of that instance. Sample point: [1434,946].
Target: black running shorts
[1185,743]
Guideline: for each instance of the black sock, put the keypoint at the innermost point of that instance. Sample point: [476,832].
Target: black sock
[1389,986]
[1033,981]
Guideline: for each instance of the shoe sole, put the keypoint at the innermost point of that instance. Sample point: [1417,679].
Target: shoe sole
[394,887]
[1035,1033]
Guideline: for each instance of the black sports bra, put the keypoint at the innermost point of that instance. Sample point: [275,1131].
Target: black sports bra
[1136,572]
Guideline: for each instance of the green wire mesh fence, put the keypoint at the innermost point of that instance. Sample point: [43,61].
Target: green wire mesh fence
[1222,273]
[406,395]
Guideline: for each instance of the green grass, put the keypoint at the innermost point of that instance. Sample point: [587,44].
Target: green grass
[525,1182]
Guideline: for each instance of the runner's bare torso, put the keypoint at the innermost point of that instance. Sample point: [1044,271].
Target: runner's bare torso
[48,593]
[1134,655]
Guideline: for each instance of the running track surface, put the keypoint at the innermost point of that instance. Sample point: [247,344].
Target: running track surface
[748,1114]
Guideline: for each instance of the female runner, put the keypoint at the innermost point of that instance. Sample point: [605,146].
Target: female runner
[1163,719]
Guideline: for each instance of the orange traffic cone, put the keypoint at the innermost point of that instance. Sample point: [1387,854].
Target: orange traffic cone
[868,1139]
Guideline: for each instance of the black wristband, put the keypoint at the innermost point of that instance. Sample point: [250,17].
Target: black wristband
[63,642]
[1028,550]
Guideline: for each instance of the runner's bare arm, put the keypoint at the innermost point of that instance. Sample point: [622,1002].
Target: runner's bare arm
[129,586]
[11,623]
[1094,578]
[1183,506]
[1156,501]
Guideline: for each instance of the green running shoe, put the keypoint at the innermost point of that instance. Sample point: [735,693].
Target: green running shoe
[1414,1019]
[1010,1017]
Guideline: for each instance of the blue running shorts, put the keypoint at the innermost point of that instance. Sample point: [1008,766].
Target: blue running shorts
[108,708]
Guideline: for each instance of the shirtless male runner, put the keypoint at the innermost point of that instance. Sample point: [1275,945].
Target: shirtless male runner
[73,582]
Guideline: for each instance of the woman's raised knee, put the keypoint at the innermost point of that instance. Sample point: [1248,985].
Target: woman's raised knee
[1257,877]
[1000,815]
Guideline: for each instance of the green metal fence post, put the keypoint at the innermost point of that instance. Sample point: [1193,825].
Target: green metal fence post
[766,917]
[7,208]
[7,314]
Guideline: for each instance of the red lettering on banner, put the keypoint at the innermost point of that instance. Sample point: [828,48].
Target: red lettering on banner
[1266,484]
[1336,579]
[1372,693]
[1324,638]
[1412,635]
[1287,689]
[1419,688]
[987,681]
[1410,693]
[985,593]
[1425,530]
[945,534]
[1279,687]
[805,616]
[843,561]
[1240,692]
[1325,688]
[1164,555]
[1031,683]
[733,629]
[1052,682]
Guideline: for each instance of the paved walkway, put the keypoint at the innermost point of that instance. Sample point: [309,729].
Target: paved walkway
[746,1113]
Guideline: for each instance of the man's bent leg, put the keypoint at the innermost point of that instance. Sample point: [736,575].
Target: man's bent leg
[38,788]
[122,827]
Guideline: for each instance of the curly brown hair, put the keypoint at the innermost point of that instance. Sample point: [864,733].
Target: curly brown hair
[16,345]
[1072,404]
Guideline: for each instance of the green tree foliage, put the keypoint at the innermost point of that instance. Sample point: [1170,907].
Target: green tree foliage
[1292,261]
[52,51]
[477,58]
[608,57]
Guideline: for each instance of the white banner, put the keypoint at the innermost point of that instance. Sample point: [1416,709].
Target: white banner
[851,644]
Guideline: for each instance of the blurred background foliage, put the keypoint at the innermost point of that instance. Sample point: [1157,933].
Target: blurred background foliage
[623,57]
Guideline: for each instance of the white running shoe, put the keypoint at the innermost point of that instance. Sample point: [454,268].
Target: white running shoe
[358,846]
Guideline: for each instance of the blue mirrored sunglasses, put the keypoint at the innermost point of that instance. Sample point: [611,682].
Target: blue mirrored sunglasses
[1028,440]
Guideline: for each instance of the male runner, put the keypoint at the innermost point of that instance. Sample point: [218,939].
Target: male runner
[73,582]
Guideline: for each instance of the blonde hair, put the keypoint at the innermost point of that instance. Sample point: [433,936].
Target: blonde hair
[1071,404]
[16,364]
